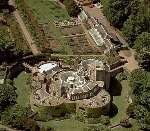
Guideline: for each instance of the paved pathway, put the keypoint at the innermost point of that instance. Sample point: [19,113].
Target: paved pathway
[25,32]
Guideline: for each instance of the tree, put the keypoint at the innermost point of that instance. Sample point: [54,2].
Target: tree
[130,110]
[18,117]
[8,50]
[142,43]
[140,83]
[116,11]
[125,123]
[137,23]
[145,61]
[72,7]
[7,96]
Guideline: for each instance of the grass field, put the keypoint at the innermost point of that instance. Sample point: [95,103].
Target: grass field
[65,125]
[46,10]
[121,103]
[23,89]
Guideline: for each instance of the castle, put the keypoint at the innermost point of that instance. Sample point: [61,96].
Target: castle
[59,89]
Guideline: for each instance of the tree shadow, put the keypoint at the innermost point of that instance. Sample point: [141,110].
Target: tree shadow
[115,87]
[113,110]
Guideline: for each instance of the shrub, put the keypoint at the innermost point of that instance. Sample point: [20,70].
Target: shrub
[122,76]
[125,123]
[72,8]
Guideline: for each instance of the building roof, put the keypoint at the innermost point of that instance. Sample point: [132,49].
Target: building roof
[46,67]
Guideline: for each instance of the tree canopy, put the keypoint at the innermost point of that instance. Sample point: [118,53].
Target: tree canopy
[18,117]
[117,11]
[131,16]
[140,83]
[142,43]
[8,50]
[72,7]
[7,96]
[137,23]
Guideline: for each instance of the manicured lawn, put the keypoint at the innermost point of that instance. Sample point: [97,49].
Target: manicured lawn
[65,125]
[121,103]
[23,89]
[46,10]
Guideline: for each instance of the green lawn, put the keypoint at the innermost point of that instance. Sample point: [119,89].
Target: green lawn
[65,125]
[121,103]
[46,10]
[23,89]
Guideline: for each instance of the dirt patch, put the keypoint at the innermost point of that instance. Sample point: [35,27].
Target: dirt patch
[129,56]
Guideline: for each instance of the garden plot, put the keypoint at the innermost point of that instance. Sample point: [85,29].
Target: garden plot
[71,30]
[80,45]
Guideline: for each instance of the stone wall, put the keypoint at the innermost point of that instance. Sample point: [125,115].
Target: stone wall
[85,95]
[92,112]
[48,112]
[102,75]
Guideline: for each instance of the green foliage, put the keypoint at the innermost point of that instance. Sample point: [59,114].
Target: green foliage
[122,76]
[116,11]
[14,115]
[125,123]
[18,117]
[132,16]
[7,96]
[130,110]
[16,33]
[72,8]
[140,83]
[145,61]
[142,43]
[137,23]
[8,50]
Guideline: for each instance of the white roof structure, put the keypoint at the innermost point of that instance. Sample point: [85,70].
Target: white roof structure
[46,67]
[2,81]
[96,37]
[82,16]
